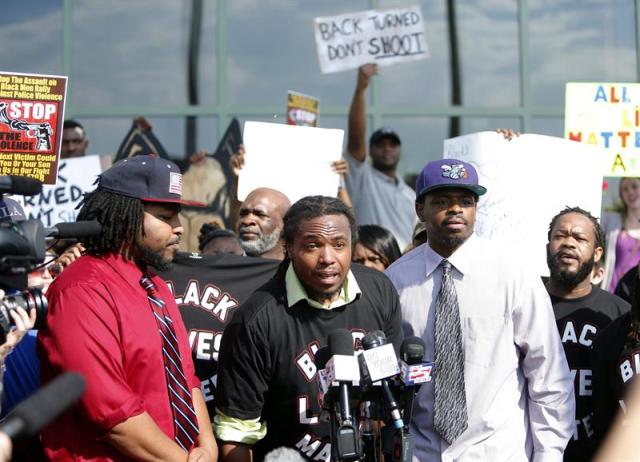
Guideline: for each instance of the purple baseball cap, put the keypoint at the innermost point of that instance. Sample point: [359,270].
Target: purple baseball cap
[448,173]
[148,178]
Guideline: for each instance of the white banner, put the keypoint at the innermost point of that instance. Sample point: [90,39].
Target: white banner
[292,159]
[57,203]
[384,37]
[529,180]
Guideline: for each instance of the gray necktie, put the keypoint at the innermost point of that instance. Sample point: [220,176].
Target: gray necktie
[450,409]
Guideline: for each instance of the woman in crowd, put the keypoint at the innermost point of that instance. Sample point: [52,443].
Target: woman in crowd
[376,247]
[623,234]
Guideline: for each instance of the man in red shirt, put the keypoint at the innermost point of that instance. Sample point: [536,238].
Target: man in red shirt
[115,322]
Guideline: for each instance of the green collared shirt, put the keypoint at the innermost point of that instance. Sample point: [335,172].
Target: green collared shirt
[296,291]
[250,431]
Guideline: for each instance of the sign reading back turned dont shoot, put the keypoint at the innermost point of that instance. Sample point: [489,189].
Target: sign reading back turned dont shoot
[385,37]
[31,118]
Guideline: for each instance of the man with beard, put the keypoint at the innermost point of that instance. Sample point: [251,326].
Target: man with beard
[502,390]
[268,389]
[260,223]
[114,321]
[379,196]
[581,309]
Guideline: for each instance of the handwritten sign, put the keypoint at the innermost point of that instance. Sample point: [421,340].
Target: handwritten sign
[57,203]
[384,37]
[606,115]
[31,117]
[529,180]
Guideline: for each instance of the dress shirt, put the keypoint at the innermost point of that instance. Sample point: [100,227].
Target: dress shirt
[100,324]
[519,390]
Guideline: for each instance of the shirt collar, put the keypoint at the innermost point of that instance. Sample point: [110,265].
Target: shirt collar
[461,259]
[349,291]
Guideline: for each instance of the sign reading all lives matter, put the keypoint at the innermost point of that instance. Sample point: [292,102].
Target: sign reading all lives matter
[606,115]
[31,118]
[384,37]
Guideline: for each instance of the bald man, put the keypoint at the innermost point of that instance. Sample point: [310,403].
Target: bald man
[260,223]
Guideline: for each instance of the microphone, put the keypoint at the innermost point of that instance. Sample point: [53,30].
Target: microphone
[22,185]
[381,365]
[34,413]
[74,229]
[343,368]
[415,372]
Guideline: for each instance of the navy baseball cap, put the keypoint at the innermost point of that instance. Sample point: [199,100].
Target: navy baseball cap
[382,133]
[148,178]
[448,173]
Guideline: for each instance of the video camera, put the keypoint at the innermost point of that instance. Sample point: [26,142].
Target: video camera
[23,246]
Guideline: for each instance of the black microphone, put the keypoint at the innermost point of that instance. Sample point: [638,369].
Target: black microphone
[74,229]
[412,352]
[371,341]
[22,185]
[34,413]
[344,368]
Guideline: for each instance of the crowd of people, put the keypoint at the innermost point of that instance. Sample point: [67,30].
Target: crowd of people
[214,355]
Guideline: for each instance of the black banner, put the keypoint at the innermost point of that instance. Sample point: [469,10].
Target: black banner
[140,140]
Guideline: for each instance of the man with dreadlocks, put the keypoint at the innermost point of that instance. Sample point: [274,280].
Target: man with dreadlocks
[581,309]
[268,390]
[115,322]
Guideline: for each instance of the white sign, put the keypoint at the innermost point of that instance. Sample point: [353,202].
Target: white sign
[529,180]
[384,37]
[293,159]
[57,202]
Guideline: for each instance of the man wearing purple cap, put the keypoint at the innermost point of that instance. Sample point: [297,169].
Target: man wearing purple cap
[115,322]
[502,390]
[379,197]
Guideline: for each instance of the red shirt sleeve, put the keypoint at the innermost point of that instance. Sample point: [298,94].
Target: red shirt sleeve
[83,335]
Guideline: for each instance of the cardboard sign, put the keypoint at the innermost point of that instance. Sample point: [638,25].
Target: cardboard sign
[302,109]
[384,37]
[294,160]
[57,203]
[529,180]
[31,118]
[606,115]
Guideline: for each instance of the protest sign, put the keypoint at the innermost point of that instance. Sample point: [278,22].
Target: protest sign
[292,159]
[529,180]
[302,109]
[31,118]
[57,203]
[384,37]
[140,140]
[228,145]
[606,115]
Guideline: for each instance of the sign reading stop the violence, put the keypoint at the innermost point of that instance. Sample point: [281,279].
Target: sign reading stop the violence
[31,118]
[384,37]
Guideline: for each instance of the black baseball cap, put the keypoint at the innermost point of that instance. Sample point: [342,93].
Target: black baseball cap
[382,133]
[148,178]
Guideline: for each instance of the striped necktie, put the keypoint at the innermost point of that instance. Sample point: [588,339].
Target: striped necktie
[450,407]
[184,416]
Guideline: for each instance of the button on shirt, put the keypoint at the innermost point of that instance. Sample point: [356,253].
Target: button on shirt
[381,200]
[519,389]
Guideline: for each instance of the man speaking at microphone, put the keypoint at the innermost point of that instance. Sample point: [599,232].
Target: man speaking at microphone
[502,390]
[268,394]
[115,322]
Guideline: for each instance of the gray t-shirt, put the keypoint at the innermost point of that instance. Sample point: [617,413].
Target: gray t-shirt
[380,200]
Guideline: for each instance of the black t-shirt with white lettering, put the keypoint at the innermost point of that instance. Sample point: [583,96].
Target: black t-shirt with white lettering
[267,370]
[616,362]
[579,321]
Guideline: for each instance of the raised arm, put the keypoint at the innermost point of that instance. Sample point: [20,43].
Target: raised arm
[356,145]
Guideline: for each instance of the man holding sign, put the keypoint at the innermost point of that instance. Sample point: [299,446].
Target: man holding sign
[379,196]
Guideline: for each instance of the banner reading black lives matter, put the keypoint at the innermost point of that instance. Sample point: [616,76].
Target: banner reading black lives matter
[31,118]
[384,37]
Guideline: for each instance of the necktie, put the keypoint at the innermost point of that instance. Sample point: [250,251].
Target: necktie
[184,416]
[450,409]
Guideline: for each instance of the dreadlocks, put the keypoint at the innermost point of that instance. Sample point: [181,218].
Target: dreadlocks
[121,218]
[597,229]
